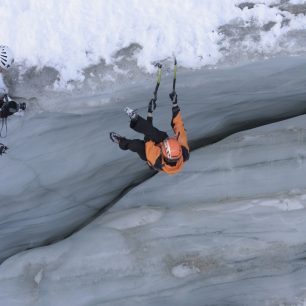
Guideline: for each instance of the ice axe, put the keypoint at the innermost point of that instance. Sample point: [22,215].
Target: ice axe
[173,94]
[159,72]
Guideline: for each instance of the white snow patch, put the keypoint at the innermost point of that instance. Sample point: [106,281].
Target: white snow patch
[184,270]
[38,277]
[298,2]
[75,34]
[283,204]
[120,71]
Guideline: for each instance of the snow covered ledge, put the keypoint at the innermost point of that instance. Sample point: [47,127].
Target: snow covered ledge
[62,170]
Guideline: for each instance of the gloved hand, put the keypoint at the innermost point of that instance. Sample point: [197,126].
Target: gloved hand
[151,105]
[3,148]
[173,97]
[23,106]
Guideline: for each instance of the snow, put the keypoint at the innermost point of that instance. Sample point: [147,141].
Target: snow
[184,270]
[72,35]
[283,204]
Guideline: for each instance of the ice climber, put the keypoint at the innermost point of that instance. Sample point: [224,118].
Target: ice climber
[7,105]
[161,151]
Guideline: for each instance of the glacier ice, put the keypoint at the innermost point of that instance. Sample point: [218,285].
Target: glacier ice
[228,229]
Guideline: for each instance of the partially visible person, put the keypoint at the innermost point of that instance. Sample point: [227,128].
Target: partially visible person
[7,105]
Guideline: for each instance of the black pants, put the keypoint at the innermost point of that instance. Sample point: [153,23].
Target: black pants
[150,133]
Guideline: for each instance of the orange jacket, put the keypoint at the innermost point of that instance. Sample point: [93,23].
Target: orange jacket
[154,154]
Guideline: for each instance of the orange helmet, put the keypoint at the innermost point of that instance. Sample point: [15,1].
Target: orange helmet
[171,149]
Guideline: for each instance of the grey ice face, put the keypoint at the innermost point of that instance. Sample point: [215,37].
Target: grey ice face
[52,166]
[237,222]
[228,230]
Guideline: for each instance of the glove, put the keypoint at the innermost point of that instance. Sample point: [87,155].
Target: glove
[3,148]
[22,106]
[152,105]
[173,97]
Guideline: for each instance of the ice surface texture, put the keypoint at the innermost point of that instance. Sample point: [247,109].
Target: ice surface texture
[228,230]
[62,169]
